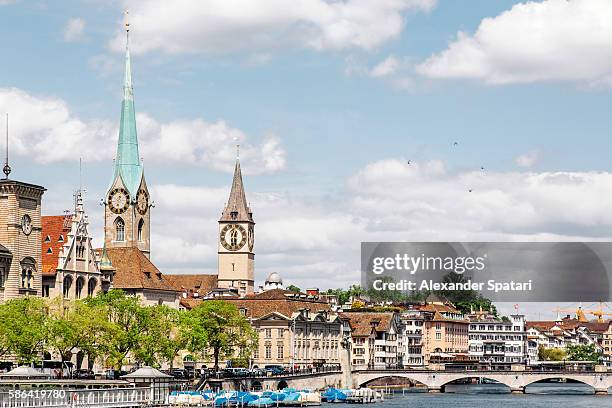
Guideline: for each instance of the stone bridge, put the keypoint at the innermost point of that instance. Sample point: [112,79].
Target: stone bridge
[515,380]
[312,381]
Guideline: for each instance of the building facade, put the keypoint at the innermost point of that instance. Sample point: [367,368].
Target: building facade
[70,264]
[496,340]
[20,239]
[376,340]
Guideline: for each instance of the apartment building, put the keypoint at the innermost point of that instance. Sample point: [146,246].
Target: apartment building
[375,339]
[497,340]
[413,322]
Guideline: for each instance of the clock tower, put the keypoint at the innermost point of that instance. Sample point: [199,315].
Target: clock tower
[127,217]
[237,240]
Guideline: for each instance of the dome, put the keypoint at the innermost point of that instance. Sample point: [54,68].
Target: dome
[274,278]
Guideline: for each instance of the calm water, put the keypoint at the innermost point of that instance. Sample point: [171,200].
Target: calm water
[493,396]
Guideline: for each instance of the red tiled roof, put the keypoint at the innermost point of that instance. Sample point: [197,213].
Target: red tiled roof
[362,323]
[200,283]
[135,271]
[53,227]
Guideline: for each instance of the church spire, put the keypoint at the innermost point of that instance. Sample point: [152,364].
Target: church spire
[237,208]
[127,162]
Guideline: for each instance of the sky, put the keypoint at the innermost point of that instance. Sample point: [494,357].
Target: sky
[358,120]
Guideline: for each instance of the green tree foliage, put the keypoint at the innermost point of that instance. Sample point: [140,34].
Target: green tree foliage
[216,329]
[551,354]
[582,352]
[293,288]
[113,327]
[26,327]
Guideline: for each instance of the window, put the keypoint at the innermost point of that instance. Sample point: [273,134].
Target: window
[268,333]
[49,251]
[2,277]
[119,230]
[80,283]
[281,333]
[48,238]
[67,285]
[27,273]
[438,336]
[91,287]
[140,228]
[45,291]
[256,353]
[268,352]
[280,351]
[61,238]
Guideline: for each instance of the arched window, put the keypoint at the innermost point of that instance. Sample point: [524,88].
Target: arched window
[67,286]
[28,265]
[91,287]
[119,230]
[140,228]
[80,283]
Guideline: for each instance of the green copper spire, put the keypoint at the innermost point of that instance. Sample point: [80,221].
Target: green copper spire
[127,162]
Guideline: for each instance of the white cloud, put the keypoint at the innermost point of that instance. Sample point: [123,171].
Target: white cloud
[47,130]
[386,67]
[74,29]
[527,159]
[550,40]
[315,242]
[225,26]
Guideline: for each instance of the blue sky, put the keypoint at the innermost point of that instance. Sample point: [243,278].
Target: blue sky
[327,128]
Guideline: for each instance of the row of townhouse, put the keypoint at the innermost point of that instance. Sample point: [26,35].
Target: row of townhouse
[567,331]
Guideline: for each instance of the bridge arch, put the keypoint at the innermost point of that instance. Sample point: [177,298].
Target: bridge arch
[390,377]
[581,380]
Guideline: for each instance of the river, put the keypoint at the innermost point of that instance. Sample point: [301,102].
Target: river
[495,395]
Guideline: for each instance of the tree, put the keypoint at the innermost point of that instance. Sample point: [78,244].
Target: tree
[74,326]
[26,324]
[217,330]
[128,321]
[293,288]
[550,354]
[582,352]
[163,338]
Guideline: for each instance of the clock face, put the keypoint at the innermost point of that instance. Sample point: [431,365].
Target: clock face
[251,237]
[233,237]
[142,202]
[26,224]
[119,200]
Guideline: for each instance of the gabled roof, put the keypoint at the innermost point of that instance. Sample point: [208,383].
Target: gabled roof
[56,229]
[363,323]
[237,202]
[133,270]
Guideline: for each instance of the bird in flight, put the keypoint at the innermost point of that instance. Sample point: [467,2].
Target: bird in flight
[456,144]
[409,162]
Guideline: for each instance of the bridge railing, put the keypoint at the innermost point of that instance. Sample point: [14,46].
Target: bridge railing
[62,398]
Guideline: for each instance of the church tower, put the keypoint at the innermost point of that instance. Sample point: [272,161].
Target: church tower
[127,218]
[236,240]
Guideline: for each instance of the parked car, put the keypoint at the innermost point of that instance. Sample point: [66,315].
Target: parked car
[114,374]
[274,369]
[83,374]
[179,373]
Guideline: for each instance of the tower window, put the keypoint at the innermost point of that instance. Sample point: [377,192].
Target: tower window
[140,228]
[119,230]
[49,251]
[61,238]
[27,273]
[47,238]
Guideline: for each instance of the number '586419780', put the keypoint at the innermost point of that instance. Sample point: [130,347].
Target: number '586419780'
[36,394]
